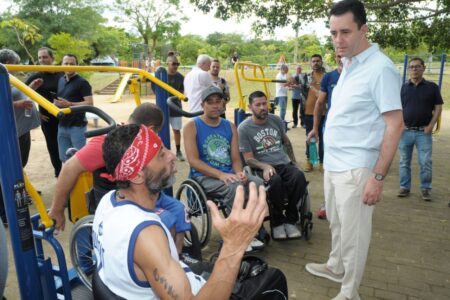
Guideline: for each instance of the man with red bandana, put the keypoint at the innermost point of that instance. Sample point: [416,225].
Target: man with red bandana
[136,255]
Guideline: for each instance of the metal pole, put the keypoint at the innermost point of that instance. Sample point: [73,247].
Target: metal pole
[405,66]
[161,101]
[14,197]
[441,75]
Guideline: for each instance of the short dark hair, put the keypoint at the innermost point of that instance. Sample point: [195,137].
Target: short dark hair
[418,59]
[114,147]
[147,114]
[215,60]
[356,7]
[8,56]
[255,94]
[71,55]
[316,55]
[49,51]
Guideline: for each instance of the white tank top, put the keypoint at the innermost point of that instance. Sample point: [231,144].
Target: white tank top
[115,230]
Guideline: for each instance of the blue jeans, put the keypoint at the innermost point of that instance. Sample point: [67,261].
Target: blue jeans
[423,142]
[282,101]
[70,137]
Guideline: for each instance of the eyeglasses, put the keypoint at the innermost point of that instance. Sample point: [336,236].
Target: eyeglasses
[418,67]
[175,64]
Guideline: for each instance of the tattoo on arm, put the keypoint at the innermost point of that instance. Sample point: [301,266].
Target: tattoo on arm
[255,164]
[167,286]
[289,150]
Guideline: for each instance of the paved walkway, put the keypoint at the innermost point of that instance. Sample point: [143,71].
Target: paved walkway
[409,256]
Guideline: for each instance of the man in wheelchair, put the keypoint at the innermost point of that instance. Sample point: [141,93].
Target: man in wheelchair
[136,254]
[90,158]
[211,146]
[261,141]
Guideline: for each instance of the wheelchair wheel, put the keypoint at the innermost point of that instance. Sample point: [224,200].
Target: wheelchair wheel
[307,229]
[192,196]
[82,250]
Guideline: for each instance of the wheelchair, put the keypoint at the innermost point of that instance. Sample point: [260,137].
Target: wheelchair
[193,196]
[303,207]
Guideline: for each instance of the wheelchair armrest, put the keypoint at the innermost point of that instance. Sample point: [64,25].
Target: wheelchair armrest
[100,290]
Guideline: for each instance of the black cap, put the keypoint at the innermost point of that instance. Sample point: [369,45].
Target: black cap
[211,90]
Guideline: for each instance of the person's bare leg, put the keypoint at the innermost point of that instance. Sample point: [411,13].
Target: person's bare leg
[177,137]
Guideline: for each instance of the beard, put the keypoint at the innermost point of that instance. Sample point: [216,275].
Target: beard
[262,115]
[156,183]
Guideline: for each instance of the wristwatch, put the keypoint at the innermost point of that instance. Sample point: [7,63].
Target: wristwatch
[379,177]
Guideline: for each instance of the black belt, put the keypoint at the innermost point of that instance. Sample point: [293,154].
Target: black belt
[412,128]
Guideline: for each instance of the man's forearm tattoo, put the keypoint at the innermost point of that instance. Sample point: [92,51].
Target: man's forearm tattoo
[163,281]
[290,151]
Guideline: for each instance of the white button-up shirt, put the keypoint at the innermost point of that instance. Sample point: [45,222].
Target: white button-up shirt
[367,88]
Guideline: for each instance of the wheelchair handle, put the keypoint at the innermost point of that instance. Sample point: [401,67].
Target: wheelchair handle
[100,113]
[279,80]
[173,106]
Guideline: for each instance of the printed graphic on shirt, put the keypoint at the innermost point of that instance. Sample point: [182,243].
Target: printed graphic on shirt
[216,149]
[267,140]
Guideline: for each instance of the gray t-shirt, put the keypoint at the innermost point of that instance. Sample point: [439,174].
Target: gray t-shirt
[265,141]
[23,123]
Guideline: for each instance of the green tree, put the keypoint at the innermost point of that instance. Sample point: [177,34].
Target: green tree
[154,21]
[64,43]
[189,47]
[397,23]
[26,34]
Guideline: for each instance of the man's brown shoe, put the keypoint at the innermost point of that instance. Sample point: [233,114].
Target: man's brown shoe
[403,193]
[308,167]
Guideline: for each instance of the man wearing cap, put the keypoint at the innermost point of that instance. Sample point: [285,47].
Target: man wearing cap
[137,257]
[212,151]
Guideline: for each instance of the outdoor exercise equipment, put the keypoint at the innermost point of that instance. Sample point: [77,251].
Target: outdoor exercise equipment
[37,277]
[240,68]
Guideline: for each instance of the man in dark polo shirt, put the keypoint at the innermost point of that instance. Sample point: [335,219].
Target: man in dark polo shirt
[73,90]
[48,89]
[422,106]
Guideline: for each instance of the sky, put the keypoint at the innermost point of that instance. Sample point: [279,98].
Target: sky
[204,24]
[197,21]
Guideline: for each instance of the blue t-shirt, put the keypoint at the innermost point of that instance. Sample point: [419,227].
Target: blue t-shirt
[214,145]
[328,83]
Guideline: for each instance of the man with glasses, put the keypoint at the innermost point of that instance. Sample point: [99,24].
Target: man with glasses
[422,106]
[175,80]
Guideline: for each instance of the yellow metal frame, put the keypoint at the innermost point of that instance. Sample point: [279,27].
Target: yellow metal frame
[239,69]
[84,181]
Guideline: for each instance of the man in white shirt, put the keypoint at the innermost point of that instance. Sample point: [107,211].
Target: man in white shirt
[362,133]
[196,81]
[281,90]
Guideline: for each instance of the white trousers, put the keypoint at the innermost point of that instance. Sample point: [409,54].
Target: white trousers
[350,224]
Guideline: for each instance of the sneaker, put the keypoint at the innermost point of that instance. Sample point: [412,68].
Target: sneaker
[294,126]
[308,167]
[320,168]
[403,193]
[292,231]
[342,297]
[322,213]
[426,195]
[180,156]
[254,245]
[279,232]
[321,270]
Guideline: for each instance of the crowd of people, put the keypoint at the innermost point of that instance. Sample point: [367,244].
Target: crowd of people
[359,114]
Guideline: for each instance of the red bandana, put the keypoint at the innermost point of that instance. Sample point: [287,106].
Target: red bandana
[144,147]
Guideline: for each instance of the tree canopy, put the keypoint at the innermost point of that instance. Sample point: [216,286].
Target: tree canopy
[398,23]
